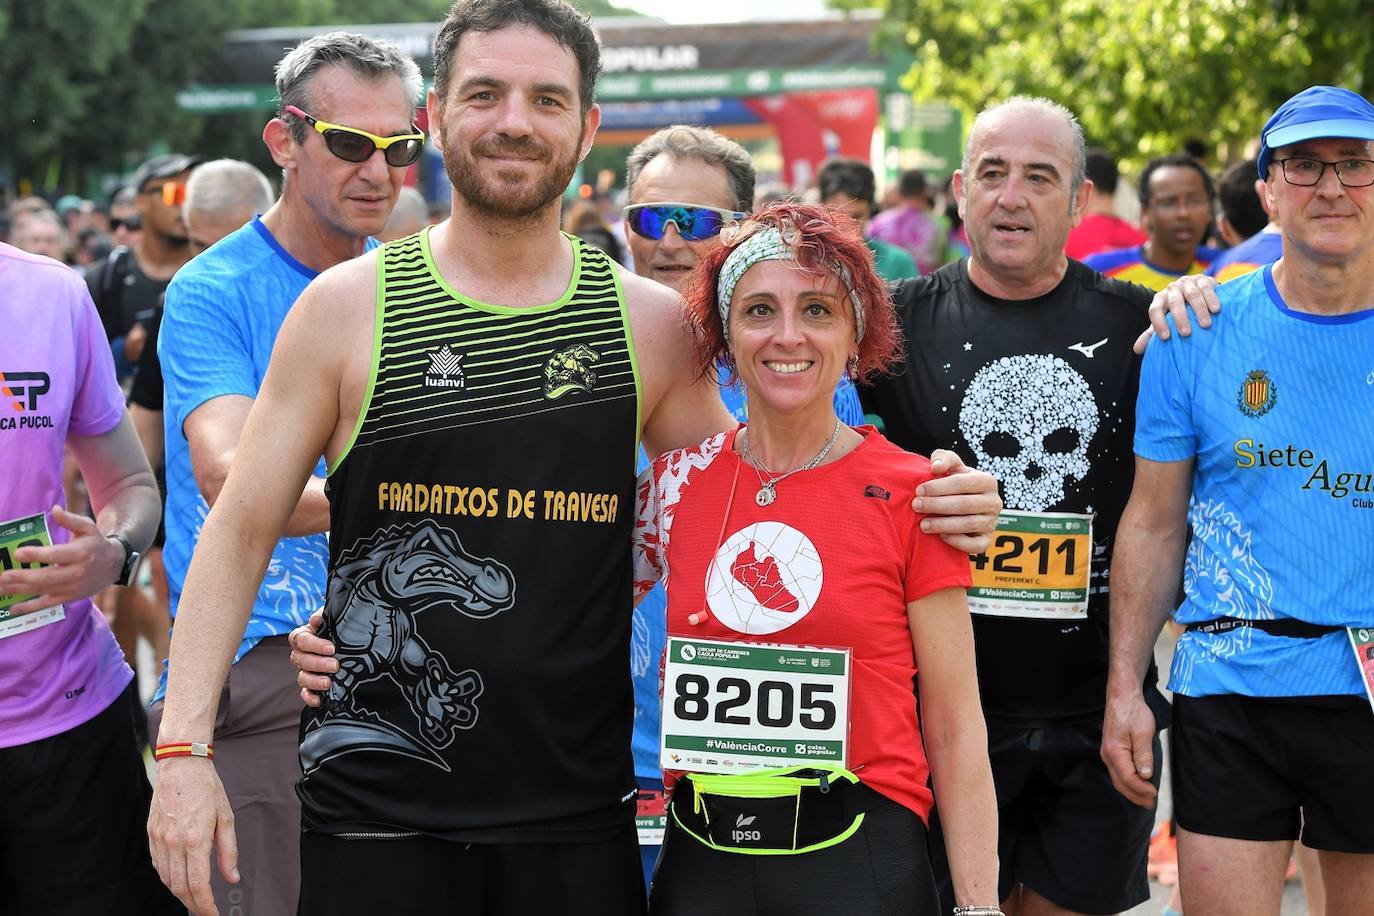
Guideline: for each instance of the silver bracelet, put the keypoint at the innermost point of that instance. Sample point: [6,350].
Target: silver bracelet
[978,911]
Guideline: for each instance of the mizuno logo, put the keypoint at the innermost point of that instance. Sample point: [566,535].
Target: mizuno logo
[1087,349]
[445,369]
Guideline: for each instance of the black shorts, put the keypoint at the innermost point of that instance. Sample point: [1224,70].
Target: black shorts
[880,870]
[74,821]
[1263,768]
[425,876]
[1063,829]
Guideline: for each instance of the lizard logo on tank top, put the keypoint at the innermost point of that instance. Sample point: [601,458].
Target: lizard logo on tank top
[382,587]
[570,369]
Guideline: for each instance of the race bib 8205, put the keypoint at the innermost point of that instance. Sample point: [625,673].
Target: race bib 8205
[731,706]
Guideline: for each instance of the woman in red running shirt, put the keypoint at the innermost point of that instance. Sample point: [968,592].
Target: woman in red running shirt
[803,599]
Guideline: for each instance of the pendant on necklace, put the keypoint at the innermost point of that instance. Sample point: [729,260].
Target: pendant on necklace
[765,495]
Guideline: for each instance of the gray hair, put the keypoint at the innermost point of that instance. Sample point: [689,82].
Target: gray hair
[226,185]
[368,58]
[1025,104]
[683,140]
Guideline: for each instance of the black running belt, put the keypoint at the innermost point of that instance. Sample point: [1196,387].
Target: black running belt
[1287,626]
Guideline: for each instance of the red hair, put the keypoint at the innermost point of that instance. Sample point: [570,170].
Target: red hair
[826,239]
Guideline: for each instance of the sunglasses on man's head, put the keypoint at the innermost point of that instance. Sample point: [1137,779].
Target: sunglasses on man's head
[353,145]
[132,223]
[694,223]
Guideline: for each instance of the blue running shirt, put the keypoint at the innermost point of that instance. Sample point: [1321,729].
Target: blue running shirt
[222,315]
[1277,407]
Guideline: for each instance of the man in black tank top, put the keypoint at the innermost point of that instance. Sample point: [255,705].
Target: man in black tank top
[478,391]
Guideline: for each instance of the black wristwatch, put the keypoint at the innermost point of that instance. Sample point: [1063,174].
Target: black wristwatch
[126,572]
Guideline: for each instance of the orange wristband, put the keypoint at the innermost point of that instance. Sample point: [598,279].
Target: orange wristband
[185,749]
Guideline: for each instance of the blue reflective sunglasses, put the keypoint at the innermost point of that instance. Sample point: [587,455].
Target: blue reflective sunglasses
[694,223]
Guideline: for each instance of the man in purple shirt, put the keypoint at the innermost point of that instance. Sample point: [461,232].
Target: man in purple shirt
[72,783]
[911,225]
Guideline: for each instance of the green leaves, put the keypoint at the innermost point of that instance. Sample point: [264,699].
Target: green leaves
[90,87]
[1142,77]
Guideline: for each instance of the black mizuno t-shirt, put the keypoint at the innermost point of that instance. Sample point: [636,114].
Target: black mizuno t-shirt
[1041,393]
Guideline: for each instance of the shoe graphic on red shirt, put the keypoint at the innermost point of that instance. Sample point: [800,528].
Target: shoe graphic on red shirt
[762,579]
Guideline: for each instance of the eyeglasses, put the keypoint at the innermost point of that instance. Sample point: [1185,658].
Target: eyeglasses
[173,192]
[1304,172]
[353,145]
[694,223]
[132,223]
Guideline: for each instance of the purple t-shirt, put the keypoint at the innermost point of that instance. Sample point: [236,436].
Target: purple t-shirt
[59,380]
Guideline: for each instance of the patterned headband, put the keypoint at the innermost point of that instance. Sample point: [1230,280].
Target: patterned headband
[768,244]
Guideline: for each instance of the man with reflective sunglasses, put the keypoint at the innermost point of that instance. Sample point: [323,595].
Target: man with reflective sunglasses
[1260,434]
[683,184]
[343,96]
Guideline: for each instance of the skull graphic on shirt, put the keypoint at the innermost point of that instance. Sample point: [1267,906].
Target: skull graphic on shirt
[1029,421]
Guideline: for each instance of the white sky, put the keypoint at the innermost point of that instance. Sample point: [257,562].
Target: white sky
[684,11]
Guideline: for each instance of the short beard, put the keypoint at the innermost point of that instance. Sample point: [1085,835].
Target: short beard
[498,199]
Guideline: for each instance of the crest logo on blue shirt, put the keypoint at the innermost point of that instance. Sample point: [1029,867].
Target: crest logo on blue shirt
[1258,394]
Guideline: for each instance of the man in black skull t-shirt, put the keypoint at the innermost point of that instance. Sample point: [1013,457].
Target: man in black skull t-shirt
[1024,359]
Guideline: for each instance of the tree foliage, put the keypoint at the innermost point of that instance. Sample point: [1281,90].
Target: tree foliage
[89,86]
[1142,77]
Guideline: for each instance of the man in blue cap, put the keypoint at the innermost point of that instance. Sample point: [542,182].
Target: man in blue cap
[1261,434]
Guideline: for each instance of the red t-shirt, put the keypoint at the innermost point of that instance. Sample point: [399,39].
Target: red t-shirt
[1100,232]
[833,562]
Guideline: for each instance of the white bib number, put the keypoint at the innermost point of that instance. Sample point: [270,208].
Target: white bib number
[730,706]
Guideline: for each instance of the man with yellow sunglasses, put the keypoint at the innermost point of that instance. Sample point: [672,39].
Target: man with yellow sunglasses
[345,98]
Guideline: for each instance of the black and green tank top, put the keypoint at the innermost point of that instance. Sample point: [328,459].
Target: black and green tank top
[479,568]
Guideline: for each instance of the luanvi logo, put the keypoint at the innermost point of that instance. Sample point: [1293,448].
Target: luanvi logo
[24,388]
[445,369]
[740,835]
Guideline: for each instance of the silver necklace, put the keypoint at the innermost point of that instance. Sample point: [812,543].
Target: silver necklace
[768,489]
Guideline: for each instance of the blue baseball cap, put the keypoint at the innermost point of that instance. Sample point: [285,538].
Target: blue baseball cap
[1321,111]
